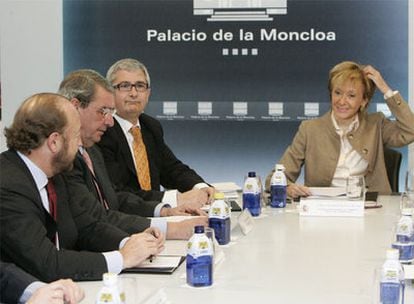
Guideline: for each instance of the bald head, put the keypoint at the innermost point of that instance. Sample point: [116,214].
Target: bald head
[39,116]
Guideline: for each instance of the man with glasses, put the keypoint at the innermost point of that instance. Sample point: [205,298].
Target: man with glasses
[136,155]
[90,184]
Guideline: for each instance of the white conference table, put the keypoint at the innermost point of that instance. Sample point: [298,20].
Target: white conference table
[284,259]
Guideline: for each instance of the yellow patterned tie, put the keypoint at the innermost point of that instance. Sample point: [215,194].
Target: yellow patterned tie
[141,159]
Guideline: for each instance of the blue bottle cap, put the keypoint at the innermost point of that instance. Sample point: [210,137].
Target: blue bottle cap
[199,229]
[251,174]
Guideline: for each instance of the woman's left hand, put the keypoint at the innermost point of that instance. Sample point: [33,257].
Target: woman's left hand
[376,77]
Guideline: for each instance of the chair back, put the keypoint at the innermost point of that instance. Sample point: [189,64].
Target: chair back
[393,163]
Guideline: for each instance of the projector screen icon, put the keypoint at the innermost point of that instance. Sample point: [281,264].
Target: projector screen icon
[240,10]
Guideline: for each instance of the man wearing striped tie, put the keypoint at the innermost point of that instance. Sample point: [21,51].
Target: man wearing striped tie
[90,184]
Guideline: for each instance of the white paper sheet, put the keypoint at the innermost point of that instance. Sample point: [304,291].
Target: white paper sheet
[328,191]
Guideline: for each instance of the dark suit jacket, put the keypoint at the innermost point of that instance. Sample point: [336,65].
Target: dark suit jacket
[13,282]
[165,168]
[124,207]
[26,228]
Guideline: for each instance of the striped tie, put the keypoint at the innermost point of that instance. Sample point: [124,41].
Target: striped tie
[88,162]
[141,159]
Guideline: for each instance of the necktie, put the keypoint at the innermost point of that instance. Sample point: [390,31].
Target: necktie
[51,194]
[141,159]
[88,162]
[52,197]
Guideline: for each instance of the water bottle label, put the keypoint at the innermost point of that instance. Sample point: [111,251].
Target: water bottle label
[251,186]
[106,297]
[199,246]
[219,210]
[278,178]
[390,275]
[405,228]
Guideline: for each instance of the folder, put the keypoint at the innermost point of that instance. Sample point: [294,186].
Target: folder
[160,264]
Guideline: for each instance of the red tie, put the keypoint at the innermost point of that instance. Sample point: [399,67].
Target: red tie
[51,194]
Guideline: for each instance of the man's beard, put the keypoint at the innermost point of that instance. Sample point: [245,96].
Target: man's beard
[63,162]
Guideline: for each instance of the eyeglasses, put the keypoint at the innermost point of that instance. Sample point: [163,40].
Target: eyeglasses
[126,86]
[106,111]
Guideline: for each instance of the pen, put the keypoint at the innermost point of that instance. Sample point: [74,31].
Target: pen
[151,258]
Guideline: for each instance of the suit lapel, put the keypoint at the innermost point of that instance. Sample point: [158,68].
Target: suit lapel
[85,172]
[124,147]
[148,142]
[12,155]
[35,194]
[99,168]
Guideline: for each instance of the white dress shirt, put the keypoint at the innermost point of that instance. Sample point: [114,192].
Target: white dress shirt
[114,260]
[350,162]
[170,196]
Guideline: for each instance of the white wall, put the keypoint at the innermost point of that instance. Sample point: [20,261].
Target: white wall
[31,53]
[31,50]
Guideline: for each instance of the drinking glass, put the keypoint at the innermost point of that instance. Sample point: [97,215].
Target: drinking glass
[129,286]
[355,187]
[409,181]
[210,234]
[407,201]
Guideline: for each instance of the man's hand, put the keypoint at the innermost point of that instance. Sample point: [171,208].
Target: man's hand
[141,246]
[210,192]
[156,232]
[295,190]
[184,230]
[58,292]
[182,210]
[195,198]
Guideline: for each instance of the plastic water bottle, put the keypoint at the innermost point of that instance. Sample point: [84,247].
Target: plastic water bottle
[251,194]
[219,219]
[109,293]
[392,279]
[405,237]
[278,187]
[199,259]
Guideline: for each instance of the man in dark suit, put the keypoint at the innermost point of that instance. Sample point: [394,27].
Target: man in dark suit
[17,286]
[93,97]
[131,81]
[42,230]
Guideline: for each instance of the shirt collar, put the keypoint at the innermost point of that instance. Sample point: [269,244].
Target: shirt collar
[352,126]
[125,124]
[39,176]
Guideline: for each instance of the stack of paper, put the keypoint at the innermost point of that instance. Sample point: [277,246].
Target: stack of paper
[328,191]
[230,189]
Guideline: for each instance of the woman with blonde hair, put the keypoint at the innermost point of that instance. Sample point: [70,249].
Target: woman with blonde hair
[347,140]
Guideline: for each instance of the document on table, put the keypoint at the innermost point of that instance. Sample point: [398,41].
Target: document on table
[327,191]
[174,248]
[167,261]
[229,189]
[158,264]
